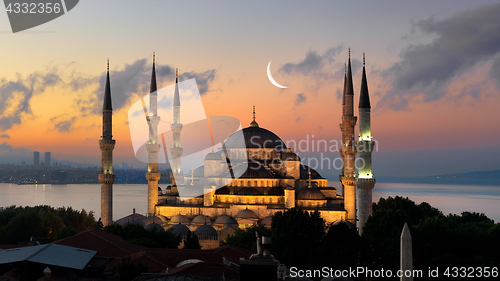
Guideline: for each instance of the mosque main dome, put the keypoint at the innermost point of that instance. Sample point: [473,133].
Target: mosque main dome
[255,137]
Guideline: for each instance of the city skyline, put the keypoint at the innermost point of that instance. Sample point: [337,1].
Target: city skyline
[433,76]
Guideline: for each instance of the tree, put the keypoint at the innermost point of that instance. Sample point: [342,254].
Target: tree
[128,270]
[466,240]
[153,238]
[192,242]
[297,237]
[342,246]
[245,238]
[43,223]
[66,232]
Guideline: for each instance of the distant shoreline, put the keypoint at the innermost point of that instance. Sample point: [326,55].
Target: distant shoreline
[419,180]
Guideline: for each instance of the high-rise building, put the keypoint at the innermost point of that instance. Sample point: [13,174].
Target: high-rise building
[107,144]
[47,159]
[36,158]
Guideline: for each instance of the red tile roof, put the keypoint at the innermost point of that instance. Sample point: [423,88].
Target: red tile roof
[154,264]
[106,244]
[233,253]
[158,260]
[208,268]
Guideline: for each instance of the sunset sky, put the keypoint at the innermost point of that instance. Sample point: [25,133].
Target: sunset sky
[433,71]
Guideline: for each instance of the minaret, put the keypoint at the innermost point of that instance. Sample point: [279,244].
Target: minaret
[348,152]
[176,150]
[153,147]
[365,145]
[107,144]
[343,133]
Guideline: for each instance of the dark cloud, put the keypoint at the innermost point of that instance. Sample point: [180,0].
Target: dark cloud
[16,95]
[203,79]
[300,98]
[313,63]
[130,81]
[495,70]
[473,90]
[63,126]
[4,136]
[135,79]
[462,41]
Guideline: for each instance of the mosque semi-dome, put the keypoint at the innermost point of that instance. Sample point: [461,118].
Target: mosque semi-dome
[223,190]
[231,222]
[153,224]
[179,229]
[205,230]
[179,219]
[276,191]
[246,214]
[267,221]
[310,193]
[220,220]
[201,219]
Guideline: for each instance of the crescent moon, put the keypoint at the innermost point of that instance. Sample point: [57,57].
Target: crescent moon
[270,76]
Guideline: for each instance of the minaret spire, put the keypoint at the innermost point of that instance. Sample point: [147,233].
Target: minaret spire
[176,127]
[153,87]
[364,97]
[365,181]
[106,105]
[177,100]
[107,144]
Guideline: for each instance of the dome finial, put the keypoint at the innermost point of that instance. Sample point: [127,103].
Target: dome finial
[309,178]
[176,73]
[153,57]
[363,59]
[108,65]
[254,123]
[349,52]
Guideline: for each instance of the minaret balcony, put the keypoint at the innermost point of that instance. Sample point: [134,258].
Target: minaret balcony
[365,183]
[365,145]
[350,181]
[348,150]
[106,178]
[349,121]
[153,176]
[107,144]
[176,127]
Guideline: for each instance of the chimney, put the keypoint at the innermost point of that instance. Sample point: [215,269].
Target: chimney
[259,242]
[47,273]
[266,246]
[262,265]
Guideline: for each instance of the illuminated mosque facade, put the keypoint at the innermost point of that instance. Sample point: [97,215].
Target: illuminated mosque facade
[272,177]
